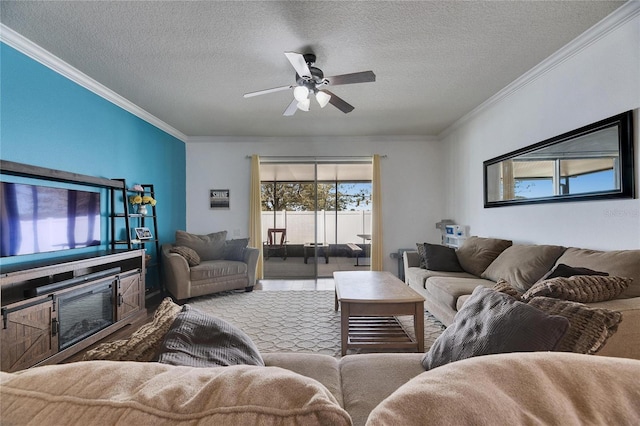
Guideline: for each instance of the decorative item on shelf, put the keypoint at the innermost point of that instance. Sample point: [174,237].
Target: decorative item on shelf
[140,202]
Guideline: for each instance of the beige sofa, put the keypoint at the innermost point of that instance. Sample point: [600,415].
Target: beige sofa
[217,265]
[484,261]
[314,389]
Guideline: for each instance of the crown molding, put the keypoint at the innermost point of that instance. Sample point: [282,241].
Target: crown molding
[46,58]
[608,24]
[346,139]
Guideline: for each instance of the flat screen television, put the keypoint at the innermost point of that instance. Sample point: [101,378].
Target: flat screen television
[38,219]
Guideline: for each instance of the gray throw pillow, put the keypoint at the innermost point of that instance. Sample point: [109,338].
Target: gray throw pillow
[198,339]
[490,323]
[589,327]
[477,253]
[208,247]
[441,258]
[234,249]
[420,248]
[566,271]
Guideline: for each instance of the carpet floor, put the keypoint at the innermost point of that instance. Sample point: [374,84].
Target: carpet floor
[293,321]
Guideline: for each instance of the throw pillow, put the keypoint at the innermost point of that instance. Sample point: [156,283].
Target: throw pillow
[150,393]
[234,249]
[566,271]
[190,255]
[580,288]
[208,247]
[490,323]
[420,247]
[618,263]
[441,258]
[504,287]
[522,265]
[144,342]
[197,339]
[589,328]
[476,253]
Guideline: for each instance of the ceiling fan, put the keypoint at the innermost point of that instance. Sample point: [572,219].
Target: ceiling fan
[311,81]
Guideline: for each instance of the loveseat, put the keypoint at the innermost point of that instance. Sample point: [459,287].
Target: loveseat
[448,283]
[195,265]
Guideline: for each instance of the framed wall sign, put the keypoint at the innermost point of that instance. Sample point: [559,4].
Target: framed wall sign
[219,198]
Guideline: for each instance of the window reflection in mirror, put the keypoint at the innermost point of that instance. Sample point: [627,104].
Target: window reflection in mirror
[596,160]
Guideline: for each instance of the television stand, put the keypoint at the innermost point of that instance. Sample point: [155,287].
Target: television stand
[42,304]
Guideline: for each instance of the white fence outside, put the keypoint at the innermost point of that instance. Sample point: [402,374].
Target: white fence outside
[333,227]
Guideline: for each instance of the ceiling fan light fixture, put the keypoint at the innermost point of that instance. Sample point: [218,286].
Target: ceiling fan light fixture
[323,99]
[304,104]
[301,93]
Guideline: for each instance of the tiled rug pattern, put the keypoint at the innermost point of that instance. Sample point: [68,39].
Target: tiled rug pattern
[291,321]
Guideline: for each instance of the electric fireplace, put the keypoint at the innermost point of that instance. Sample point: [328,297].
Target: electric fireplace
[84,311]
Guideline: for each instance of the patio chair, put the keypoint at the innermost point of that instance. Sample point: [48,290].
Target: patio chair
[275,244]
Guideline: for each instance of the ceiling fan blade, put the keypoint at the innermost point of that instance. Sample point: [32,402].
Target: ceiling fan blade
[339,103]
[291,109]
[298,62]
[356,77]
[264,92]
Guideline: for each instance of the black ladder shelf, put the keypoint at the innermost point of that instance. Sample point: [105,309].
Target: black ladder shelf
[137,219]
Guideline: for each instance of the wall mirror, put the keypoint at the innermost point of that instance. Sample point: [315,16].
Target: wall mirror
[593,162]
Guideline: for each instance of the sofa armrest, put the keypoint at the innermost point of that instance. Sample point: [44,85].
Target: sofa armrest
[251,259]
[177,273]
[411,259]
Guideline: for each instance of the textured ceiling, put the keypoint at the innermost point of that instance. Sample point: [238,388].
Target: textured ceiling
[189,63]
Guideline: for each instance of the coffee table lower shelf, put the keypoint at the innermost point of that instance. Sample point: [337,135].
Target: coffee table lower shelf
[378,333]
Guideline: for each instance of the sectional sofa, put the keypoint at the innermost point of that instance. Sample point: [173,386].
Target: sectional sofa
[315,389]
[485,261]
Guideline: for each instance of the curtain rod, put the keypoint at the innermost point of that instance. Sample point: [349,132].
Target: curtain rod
[316,157]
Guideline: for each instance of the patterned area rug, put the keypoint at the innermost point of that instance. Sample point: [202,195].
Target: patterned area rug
[292,321]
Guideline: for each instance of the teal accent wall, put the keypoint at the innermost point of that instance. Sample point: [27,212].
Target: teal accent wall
[48,120]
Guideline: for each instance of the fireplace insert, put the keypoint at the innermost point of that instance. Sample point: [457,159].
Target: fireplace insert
[84,311]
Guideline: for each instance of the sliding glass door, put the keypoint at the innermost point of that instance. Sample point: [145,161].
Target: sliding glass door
[323,209]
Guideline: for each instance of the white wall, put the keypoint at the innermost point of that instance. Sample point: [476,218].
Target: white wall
[600,81]
[411,173]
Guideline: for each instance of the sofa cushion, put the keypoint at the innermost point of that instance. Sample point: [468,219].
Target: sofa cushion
[198,339]
[212,269]
[234,249]
[441,258]
[189,254]
[618,263]
[491,322]
[208,247]
[323,368]
[150,393]
[521,265]
[513,389]
[589,327]
[418,276]
[476,253]
[143,344]
[367,379]
[580,288]
[447,290]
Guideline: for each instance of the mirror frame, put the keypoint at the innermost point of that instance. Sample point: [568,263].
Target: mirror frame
[624,123]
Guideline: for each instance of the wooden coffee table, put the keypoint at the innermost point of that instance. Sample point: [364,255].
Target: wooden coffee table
[369,301]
